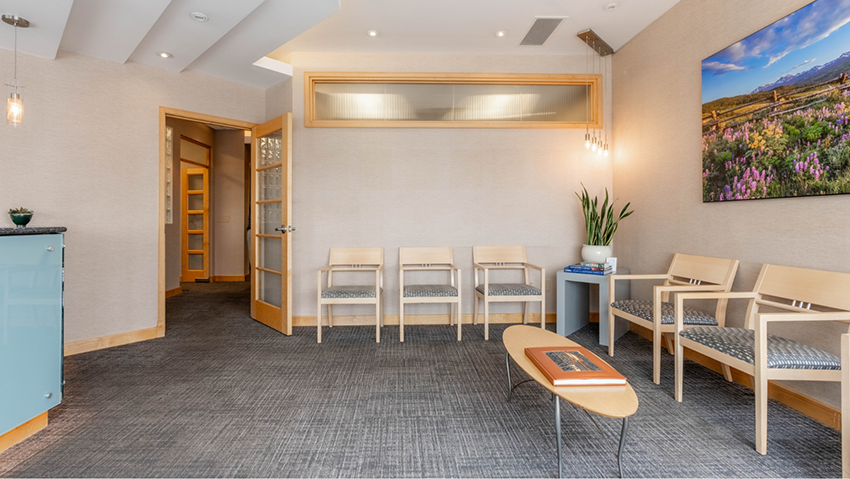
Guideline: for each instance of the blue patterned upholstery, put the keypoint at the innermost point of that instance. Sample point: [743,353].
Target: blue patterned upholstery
[349,292]
[430,291]
[782,353]
[510,289]
[643,309]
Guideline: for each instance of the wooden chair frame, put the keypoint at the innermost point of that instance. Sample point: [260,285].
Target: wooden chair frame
[845,406]
[488,258]
[687,273]
[429,259]
[782,288]
[358,260]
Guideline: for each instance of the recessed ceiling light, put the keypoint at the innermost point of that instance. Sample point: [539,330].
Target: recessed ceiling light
[501,33]
[164,54]
[198,16]
[610,7]
[372,33]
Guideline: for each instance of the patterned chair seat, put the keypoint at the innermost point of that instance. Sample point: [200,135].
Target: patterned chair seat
[430,291]
[643,309]
[349,292]
[782,353]
[510,289]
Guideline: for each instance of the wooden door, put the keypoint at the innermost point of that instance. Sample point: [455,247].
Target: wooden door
[196,224]
[271,205]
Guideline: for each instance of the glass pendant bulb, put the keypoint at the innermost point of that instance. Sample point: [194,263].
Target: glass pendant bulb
[14,110]
[593,147]
[605,150]
[587,141]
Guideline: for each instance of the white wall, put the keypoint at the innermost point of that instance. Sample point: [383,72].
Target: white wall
[435,187]
[658,160]
[87,158]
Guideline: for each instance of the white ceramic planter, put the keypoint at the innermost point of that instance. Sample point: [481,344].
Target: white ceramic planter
[596,254]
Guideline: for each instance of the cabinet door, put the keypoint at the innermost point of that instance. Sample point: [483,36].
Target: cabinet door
[30,327]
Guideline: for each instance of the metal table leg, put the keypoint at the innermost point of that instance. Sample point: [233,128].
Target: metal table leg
[508,368]
[623,433]
[558,432]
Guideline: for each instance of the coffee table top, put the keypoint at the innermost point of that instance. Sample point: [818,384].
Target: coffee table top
[608,401]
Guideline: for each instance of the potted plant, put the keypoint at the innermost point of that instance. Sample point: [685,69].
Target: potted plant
[601,224]
[20,216]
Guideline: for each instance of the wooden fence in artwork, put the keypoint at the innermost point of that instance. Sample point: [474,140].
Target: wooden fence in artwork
[778,105]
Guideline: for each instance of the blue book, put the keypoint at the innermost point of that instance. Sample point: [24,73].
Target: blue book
[570,269]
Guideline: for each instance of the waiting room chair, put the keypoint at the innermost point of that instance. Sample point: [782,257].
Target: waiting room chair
[428,259]
[789,295]
[687,273]
[352,260]
[486,260]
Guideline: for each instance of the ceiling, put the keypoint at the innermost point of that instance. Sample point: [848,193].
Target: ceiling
[239,33]
[469,26]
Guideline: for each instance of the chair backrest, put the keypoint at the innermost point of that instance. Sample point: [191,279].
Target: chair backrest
[800,290]
[703,270]
[498,254]
[356,257]
[425,256]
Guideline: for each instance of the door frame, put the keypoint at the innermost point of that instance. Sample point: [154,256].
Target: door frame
[165,112]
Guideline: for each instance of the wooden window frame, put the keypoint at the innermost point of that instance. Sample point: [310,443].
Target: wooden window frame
[312,78]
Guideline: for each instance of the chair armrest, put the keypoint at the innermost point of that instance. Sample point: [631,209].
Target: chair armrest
[326,268]
[454,267]
[681,297]
[616,277]
[807,316]
[694,287]
[532,266]
[479,266]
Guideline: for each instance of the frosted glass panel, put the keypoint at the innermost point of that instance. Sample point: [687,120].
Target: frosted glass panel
[196,202]
[349,101]
[195,243]
[194,152]
[270,218]
[270,149]
[270,254]
[270,184]
[196,182]
[270,288]
[196,222]
[449,102]
[169,175]
[196,262]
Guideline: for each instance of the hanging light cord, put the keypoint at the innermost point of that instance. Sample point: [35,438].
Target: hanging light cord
[16,57]
[586,88]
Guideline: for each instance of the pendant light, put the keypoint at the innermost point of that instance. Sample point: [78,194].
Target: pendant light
[14,104]
[605,148]
[594,145]
[586,97]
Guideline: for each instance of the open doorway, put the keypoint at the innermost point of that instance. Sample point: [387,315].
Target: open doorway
[205,186]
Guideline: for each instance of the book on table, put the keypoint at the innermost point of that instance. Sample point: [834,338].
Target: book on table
[573,366]
[578,268]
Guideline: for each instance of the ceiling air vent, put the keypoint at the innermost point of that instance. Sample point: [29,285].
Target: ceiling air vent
[541,30]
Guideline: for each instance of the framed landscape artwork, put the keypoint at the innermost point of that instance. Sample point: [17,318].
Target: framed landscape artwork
[776,109]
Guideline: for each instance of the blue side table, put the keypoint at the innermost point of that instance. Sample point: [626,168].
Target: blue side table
[573,309]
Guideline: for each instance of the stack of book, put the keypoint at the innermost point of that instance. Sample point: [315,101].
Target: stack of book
[590,268]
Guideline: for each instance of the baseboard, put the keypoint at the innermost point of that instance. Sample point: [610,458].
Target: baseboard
[23,431]
[392,319]
[104,342]
[823,413]
[173,292]
[226,279]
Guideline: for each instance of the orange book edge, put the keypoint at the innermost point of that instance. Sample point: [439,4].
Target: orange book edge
[606,376]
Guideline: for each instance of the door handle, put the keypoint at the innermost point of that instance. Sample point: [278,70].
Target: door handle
[285,229]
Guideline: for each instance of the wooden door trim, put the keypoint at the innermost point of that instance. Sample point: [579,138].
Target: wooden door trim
[164,113]
[192,275]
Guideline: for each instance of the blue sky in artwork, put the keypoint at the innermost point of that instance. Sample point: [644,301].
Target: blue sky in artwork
[816,34]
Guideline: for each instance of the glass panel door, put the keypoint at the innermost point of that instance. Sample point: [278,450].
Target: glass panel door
[196,224]
[271,301]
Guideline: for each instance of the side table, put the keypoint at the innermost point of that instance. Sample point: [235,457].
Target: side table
[573,309]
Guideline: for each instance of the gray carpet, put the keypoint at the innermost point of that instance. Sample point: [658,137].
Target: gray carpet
[222,395]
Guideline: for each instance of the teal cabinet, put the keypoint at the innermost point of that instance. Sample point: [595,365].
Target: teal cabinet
[31,326]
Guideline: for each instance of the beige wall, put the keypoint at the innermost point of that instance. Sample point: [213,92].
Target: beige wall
[87,158]
[279,99]
[657,163]
[173,232]
[435,187]
[228,188]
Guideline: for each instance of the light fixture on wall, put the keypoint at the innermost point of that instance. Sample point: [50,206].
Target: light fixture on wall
[14,104]
[601,49]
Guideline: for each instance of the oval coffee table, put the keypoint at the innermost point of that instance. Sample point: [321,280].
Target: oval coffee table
[618,402]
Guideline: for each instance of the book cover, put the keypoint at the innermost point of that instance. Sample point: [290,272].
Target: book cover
[573,366]
[569,269]
[594,265]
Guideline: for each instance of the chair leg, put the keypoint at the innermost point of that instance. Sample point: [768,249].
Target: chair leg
[319,323]
[382,311]
[727,372]
[451,314]
[525,314]
[656,356]
[459,336]
[486,320]
[543,310]
[475,311]
[401,322]
[680,360]
[330,316]
[761,413]
[668,340]
[377,321]
[611,326]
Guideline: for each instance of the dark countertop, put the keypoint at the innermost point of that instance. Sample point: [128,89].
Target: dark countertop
[33,230]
